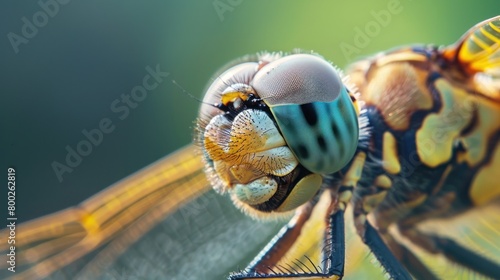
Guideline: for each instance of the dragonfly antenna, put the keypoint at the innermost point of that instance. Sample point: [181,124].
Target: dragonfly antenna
[191,95]
[224,82]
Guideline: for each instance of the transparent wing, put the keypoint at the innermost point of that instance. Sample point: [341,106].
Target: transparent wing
[205,239]
[477,54]
[121,214]
[477,230]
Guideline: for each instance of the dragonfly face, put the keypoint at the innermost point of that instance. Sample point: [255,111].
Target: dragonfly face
[275,125]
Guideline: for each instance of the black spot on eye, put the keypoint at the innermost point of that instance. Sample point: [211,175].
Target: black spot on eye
[302,151]
[337,135]
[321,142]
[335,130]
[309,113]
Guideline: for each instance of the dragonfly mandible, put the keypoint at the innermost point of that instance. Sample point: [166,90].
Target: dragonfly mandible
[416,133]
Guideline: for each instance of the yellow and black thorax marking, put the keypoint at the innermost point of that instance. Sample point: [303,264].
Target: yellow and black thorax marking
[434,138]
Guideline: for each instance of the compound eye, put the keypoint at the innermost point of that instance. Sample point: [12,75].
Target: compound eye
[313,110]
[297,79]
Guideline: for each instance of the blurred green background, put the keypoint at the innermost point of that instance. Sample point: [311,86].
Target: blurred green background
[89,53]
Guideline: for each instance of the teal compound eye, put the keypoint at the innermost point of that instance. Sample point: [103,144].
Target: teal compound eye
[312,108]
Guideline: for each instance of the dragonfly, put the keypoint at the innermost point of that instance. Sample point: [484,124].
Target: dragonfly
[405,146]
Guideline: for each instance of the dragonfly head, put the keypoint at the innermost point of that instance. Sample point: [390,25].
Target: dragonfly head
[270,128]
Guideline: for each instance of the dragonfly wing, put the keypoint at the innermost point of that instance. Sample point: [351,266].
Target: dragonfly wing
[127,209]
[476,230]
[477,54]
[206,239]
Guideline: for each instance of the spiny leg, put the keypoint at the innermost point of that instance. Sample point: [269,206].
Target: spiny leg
[391,265]
[279,245]
[265,264]
[407,258]
[335,246]
[393,256]
[454,252]
[363,203]
[372,239]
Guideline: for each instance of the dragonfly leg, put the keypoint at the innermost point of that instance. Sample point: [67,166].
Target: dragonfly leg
[333,253]
[386,258]
[371,237]
[282,241]
[454,252]
[408,259]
